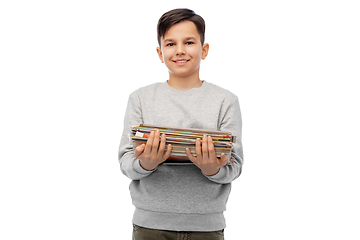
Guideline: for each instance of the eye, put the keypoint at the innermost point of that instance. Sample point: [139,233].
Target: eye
[189,43]
[170,44]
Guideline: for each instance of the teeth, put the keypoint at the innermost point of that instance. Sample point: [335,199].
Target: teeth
[182,61]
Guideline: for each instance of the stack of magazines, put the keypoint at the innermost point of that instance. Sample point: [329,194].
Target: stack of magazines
[182,138]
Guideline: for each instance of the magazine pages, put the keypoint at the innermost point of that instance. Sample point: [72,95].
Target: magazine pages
[182,138]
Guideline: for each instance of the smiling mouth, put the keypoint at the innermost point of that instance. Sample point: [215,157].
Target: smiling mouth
[181,61]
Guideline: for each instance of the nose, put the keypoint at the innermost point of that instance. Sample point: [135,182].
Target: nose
[180,50]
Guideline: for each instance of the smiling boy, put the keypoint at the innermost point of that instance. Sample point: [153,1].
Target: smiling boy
[184,201]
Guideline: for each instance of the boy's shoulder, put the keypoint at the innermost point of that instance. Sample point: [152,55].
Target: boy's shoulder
[220,91]
[148,88]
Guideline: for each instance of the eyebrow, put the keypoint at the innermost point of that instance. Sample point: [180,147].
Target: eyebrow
[186,39]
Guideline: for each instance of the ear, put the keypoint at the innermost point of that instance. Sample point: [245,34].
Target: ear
[159,52]
[205,51]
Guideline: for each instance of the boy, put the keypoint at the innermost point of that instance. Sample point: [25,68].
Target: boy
[184,201]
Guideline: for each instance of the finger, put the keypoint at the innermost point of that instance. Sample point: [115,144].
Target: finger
[211,148]
[139,150]
[198,149]
[205,153]
[162,145]
[168,152]
[149,143]
[190,156]
[155,143]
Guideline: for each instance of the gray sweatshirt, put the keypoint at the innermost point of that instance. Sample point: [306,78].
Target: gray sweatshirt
[179,197]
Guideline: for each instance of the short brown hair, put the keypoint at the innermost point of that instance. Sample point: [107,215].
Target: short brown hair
[175,16]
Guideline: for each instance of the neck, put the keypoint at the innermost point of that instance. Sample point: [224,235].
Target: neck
[184,83]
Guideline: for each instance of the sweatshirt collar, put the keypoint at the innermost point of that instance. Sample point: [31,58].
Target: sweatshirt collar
[190,91]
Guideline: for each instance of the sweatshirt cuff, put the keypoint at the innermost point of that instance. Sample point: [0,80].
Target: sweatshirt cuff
[140,170]
[220,175]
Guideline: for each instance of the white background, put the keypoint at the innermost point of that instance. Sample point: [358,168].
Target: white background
[67,68]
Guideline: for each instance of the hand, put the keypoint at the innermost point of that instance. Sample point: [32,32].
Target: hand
[150,154]
[206,158]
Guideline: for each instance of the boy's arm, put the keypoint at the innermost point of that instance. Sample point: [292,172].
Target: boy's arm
[231,122]
[129,164]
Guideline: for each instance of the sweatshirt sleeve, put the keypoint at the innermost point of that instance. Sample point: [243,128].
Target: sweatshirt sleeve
[129,164]
[231,121]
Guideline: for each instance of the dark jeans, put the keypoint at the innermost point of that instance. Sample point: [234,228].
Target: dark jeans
[140,233]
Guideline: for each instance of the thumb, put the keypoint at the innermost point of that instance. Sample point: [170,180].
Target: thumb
[223,159]
[139,150]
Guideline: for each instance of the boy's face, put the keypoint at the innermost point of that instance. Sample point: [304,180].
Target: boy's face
[181,50]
